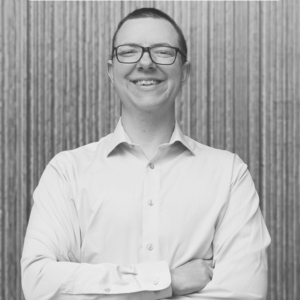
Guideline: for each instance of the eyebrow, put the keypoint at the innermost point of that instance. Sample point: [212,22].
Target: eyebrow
[152,45]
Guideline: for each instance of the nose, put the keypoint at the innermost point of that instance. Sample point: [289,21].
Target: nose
[145,62]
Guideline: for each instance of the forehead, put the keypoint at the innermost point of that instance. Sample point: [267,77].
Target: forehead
[146,32]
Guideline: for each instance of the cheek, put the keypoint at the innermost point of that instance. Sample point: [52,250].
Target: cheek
[120,77]
[175,73]
[176,78]
[123,70]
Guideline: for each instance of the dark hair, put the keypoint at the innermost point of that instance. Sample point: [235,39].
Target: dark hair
[149,12]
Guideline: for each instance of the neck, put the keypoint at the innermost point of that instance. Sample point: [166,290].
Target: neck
[148,129]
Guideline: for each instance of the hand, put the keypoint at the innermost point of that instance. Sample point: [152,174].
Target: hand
[191,277]
[71,258]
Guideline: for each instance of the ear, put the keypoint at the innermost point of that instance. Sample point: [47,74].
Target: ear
[186,70]
[110,70]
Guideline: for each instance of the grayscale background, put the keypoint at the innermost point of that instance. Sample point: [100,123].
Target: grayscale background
[243,96]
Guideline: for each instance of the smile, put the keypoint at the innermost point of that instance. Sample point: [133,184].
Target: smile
[146,82]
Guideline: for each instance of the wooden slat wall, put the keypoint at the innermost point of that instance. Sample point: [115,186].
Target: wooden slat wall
[243,95]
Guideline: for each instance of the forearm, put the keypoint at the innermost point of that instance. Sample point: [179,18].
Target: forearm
[43,277]
[239,247]
[216,292]
[237,286]
[48,279]
[53,230]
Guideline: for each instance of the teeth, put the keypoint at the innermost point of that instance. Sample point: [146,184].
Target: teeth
[146,82]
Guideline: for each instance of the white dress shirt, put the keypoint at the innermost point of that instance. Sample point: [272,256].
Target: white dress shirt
[129,219]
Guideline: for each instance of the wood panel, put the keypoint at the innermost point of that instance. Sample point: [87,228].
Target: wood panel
[243,96]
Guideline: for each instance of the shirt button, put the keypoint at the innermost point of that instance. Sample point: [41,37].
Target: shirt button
[150,202]
[107,290]
[151,165]
[155,281]
[150,247]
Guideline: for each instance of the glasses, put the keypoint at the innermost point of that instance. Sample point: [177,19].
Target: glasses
[161,55]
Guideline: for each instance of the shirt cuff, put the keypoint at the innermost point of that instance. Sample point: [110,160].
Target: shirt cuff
[153,276]
[157,295]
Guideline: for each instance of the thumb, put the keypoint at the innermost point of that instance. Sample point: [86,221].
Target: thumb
[61,258]
[72,257]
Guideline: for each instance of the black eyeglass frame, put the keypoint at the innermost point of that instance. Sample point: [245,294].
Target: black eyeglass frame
[147,49]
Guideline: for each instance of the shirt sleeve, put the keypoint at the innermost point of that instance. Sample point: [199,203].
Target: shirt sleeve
[53,230]
[239,245]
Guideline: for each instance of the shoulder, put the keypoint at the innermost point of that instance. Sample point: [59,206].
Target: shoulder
[219,156]
[217,159]
[80,158]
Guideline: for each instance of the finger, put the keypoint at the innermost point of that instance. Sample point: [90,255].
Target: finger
[209,262]
[210,272]
[196,262]
[72,257]
[61,258]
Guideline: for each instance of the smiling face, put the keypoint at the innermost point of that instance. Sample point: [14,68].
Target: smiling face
[146,86]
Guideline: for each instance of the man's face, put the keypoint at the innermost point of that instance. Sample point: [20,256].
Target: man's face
[168,79]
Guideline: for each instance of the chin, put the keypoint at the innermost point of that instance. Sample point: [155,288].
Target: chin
[149,103]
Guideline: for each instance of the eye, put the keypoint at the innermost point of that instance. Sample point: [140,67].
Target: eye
[163,52]
[127,51]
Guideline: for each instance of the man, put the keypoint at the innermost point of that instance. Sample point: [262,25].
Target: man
[146,212]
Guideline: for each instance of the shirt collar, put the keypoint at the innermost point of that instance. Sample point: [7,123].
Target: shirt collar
[120,136]
[178,136]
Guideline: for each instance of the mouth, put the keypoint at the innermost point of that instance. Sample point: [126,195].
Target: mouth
[151,82]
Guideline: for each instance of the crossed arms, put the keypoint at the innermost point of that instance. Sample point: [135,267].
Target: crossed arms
[239,255]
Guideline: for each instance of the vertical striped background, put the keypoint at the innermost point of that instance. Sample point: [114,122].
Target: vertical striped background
[243,95]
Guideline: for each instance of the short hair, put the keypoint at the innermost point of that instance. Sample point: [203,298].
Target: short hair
[149,12]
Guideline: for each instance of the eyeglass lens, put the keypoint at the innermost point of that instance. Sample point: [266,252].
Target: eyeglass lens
[159,55]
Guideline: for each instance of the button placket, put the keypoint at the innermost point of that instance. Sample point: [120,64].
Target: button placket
[150,213]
